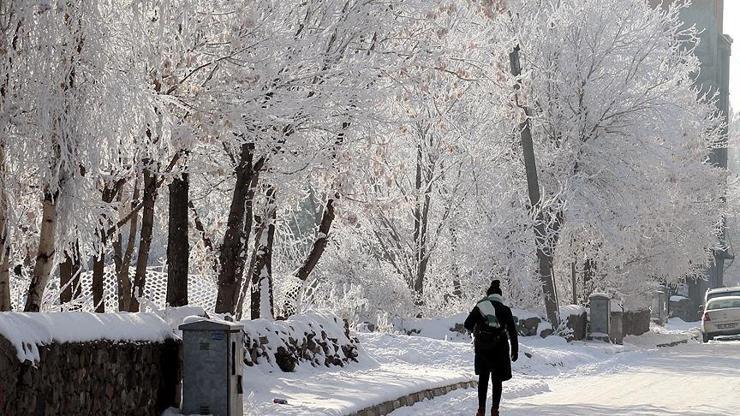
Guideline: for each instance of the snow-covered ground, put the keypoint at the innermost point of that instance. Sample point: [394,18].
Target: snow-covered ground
[691,379]
[552,377]
[394,365]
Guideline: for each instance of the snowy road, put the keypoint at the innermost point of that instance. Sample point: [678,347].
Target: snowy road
[688,380]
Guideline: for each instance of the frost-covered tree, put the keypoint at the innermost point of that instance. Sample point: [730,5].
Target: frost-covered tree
[620,133]
[62,80]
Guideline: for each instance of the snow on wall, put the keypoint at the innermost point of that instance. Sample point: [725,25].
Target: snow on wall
[319,339]
[27,331]
[570,310]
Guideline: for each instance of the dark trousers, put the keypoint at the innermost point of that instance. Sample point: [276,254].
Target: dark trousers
[496,386]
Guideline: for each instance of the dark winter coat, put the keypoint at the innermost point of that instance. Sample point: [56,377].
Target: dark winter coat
[496,360]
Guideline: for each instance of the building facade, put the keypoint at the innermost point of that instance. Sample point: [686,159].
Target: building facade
[713,51]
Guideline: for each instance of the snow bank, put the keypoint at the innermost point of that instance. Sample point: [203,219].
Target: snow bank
[27,331]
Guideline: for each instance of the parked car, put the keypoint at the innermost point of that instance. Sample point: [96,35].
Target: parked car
[721,292]
[721,317]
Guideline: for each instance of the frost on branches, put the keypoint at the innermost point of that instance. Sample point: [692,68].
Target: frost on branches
[370,157]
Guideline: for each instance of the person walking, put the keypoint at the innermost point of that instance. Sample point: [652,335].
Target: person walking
[493,328]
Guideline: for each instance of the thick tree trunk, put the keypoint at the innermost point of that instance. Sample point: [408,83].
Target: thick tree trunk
[262,296]
[178,246]
[5,304]
[123,256]
[145,239]
[233,253]
[45,254]
[544,254]
[69,276]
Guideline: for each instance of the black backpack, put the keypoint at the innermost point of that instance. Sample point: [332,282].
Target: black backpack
[489,337]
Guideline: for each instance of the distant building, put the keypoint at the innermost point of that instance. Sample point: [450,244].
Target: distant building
[714,53]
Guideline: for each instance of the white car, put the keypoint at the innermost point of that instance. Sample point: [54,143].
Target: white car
[721,292]
[721,317]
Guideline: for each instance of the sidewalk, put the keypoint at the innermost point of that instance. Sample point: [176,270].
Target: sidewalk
[343,391]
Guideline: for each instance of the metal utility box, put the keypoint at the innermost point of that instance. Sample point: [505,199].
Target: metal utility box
[213,354]
[659,310]
[600,314]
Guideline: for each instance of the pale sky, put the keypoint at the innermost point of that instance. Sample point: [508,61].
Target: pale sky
[732,28]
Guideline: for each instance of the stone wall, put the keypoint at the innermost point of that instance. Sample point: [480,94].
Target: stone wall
[577,324]
[636,322]
[90,378]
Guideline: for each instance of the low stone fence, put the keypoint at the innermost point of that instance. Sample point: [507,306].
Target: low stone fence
[624,323]
[410,399]
[56,375]
[315,339]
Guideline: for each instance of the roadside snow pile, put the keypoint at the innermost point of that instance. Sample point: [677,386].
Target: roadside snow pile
[27,331]
[676,331]
[320,339]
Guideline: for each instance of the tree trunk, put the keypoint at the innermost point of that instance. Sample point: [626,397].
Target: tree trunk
[421,224]
[317,250]
[574,283]
[98,280]
[145,239]
[233,253]
[262,296]
[98,277]
[589,270]
[178,246]
[123,257]
[544,254]
[69,276]
[258,230]
[456,285]
[5,304]
[45,254]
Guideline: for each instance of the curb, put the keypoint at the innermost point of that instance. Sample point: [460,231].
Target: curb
[412,398]
[679,342]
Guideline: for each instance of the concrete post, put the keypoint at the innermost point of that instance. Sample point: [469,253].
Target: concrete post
[600,316]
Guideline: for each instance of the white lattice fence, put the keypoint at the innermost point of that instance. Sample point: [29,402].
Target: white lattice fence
[201,290]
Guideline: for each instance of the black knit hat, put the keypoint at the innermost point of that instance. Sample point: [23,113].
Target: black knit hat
[494,288]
